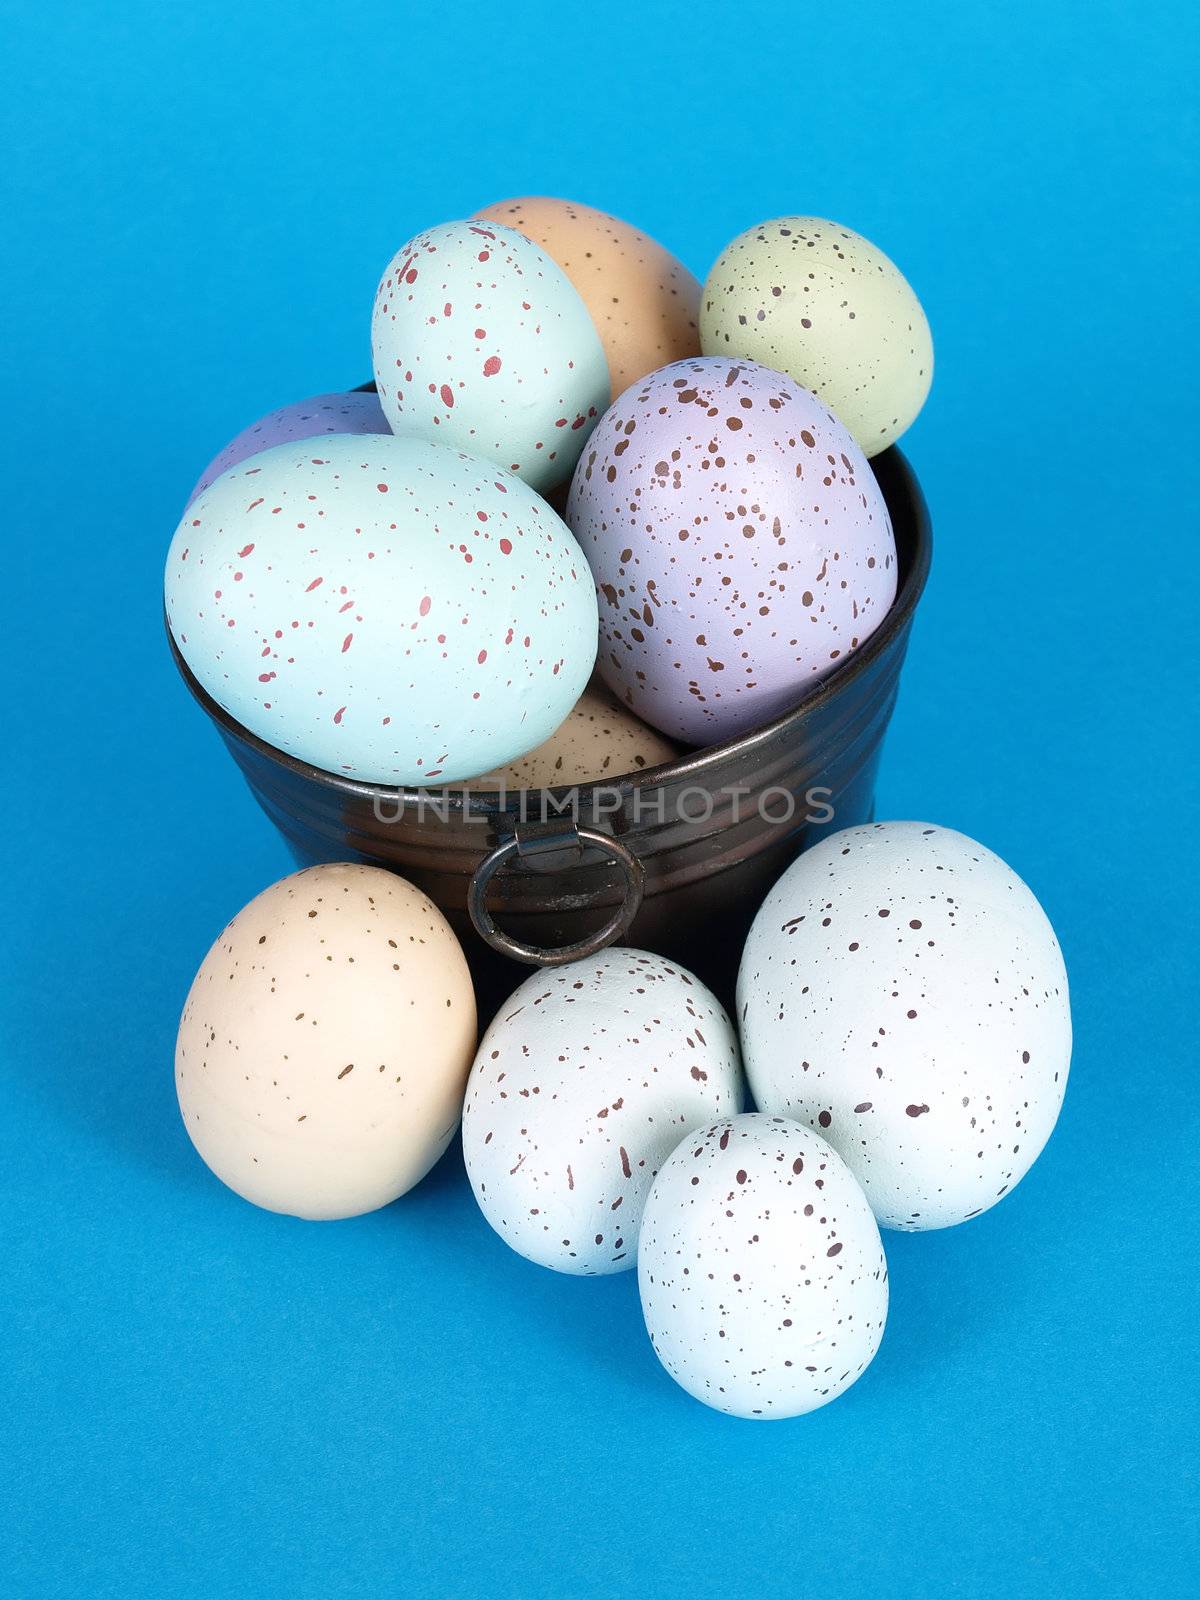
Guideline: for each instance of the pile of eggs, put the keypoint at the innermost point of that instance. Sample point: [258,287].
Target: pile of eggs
[591,511]
[579,472]
[902,1024]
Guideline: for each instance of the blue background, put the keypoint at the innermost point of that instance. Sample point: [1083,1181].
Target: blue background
[203,1399]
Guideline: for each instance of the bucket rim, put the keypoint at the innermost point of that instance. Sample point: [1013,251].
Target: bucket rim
[696,763]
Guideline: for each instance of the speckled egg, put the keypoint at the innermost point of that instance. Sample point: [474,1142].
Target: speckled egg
[325,1044]
[739,541]
[481,341]
[582,1086]
[384,607]
[824,305]
[644,303]
[357,411]
[598,740]
[902,991]
[763,1280]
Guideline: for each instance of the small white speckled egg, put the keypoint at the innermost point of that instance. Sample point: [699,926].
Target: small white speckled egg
[481,340]
[821,303]
[394,610]
[325,1043]
[763,1280]
[599,739]
[583,1084]
[902,991]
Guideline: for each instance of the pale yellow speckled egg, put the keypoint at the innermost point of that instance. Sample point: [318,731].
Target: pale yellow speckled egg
[599,739]
[643,302]
[814,300]
[324,1047]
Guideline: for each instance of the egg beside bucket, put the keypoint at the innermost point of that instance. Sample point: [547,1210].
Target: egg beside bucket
[675,859]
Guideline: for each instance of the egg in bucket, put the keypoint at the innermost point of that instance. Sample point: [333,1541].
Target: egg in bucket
[390,632]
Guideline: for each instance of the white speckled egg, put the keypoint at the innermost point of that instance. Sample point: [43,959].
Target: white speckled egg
[740,544]
[902,991]
[598,740]
[581,1087]
[325,1043]
[823,304]
[481,340]
[383,607]
[763,1280]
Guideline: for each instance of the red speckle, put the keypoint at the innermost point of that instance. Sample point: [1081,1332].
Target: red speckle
[481,657]
[242,554]
[254,503]
[485,255]
[265,677]
[315,584]
[447,309]
[447,396]
[339,713]
[482,515]
[411,275]
[382,487]
[506,547]
[481,333]
[349,639]
[425,605]
[491,366]
[501,488]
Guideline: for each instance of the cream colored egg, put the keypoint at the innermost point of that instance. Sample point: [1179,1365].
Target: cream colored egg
[643,302]
[814,300]
[325,1044]
[599,739]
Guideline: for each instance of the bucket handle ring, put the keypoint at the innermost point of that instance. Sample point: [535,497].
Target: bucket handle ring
[535,955]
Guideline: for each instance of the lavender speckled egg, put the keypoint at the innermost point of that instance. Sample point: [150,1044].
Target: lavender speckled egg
[480,340]
[581,1087]
[824,304]
[762,1276]
[383,607]
[354,412]
[325,1043]
[902,991]
[739,541]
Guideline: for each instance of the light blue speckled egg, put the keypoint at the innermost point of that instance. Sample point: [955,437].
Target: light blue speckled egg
[481,340]
[387,608]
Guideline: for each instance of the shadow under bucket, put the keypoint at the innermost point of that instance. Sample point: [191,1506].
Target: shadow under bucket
[674,859]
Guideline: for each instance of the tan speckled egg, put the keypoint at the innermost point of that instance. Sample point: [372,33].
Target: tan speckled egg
[814,300]
[644,302]
[599,739]
[324,1047]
